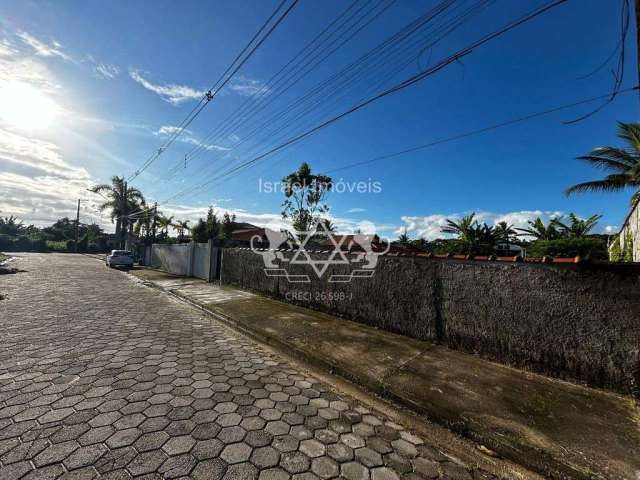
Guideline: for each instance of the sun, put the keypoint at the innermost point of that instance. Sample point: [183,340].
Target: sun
[26,107]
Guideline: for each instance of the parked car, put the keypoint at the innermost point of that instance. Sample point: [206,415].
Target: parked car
[119,258]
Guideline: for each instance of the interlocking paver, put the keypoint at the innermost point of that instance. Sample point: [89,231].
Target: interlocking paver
[85,456]
[149,388]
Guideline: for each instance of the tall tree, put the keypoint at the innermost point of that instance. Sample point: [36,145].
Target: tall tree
[578,227]
[121,200]
[11,225]
[164,223]
[623,162]
[463,229]
[181,226]
[474,238]
[213,224]
[538,230]
[304,198]
[228,225]
[505,232]
[404,238]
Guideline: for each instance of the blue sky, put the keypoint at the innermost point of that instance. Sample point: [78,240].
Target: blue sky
[103,84]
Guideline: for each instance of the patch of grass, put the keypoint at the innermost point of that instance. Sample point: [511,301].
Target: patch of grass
[3,257]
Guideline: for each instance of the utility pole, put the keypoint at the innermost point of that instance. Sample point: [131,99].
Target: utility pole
[125,217]
[77,224]
[153,222]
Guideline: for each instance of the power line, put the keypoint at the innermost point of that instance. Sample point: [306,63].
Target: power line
[338,84]
[211,93]
[400,86]
[478,131]
[470,133]
[291,77]
[397,62]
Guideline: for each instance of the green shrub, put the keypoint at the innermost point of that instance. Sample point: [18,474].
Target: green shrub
[595,248]
[22,243]
[615,252]
[57,246]
[627,253]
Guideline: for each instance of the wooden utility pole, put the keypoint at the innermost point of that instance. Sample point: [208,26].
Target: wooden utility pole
[77,224]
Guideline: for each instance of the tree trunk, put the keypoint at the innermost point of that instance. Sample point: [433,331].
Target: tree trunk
[118,228]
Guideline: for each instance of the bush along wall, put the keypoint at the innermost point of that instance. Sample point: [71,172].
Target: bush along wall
[573,321]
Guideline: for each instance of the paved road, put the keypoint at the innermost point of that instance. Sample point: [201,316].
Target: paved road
[102,377]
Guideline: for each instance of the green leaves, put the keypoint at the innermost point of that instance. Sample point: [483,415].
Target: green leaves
[623,162]
[304,195]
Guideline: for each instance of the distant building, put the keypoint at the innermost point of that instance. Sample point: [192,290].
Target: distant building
[252,235]
[631,229]
[504,249]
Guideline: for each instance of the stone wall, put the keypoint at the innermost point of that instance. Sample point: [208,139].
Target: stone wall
[632,226]
[579,322]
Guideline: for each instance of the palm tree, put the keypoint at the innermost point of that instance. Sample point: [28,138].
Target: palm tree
[121,200]
[474,237]
[11,225]
[143,221]
[404,238]
[181,226]
[164,223]
[578,227]
[462,229]
[624,163]
[505,232]
[540,231]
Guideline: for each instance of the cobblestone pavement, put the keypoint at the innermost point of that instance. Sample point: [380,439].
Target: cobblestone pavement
[103,377]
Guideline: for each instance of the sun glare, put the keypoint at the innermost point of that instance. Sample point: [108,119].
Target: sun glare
[26,107]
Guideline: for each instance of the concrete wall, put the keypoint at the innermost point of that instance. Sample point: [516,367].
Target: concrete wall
[576,322]
[174,259]
[632,225]
[201,260]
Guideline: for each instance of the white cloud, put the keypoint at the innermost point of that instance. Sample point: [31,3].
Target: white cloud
[38,155]
[173,94]
[429,227]
[248,86]
[37,182]
[26,70]
[42,200]
[356,210]
[611,229]
[43,49]
[188,137]
[6,48]
[106,70]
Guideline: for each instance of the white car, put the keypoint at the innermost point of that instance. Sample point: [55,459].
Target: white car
[119,258]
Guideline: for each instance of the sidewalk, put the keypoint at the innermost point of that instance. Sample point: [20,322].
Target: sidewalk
[554,427]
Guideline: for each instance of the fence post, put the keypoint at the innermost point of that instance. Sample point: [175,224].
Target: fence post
[214,262]
[151,263]
[210,255]
[192,254]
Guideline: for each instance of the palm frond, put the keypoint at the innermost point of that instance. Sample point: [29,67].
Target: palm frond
[630,133]
[611,183]
[605,162]
[101,188]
